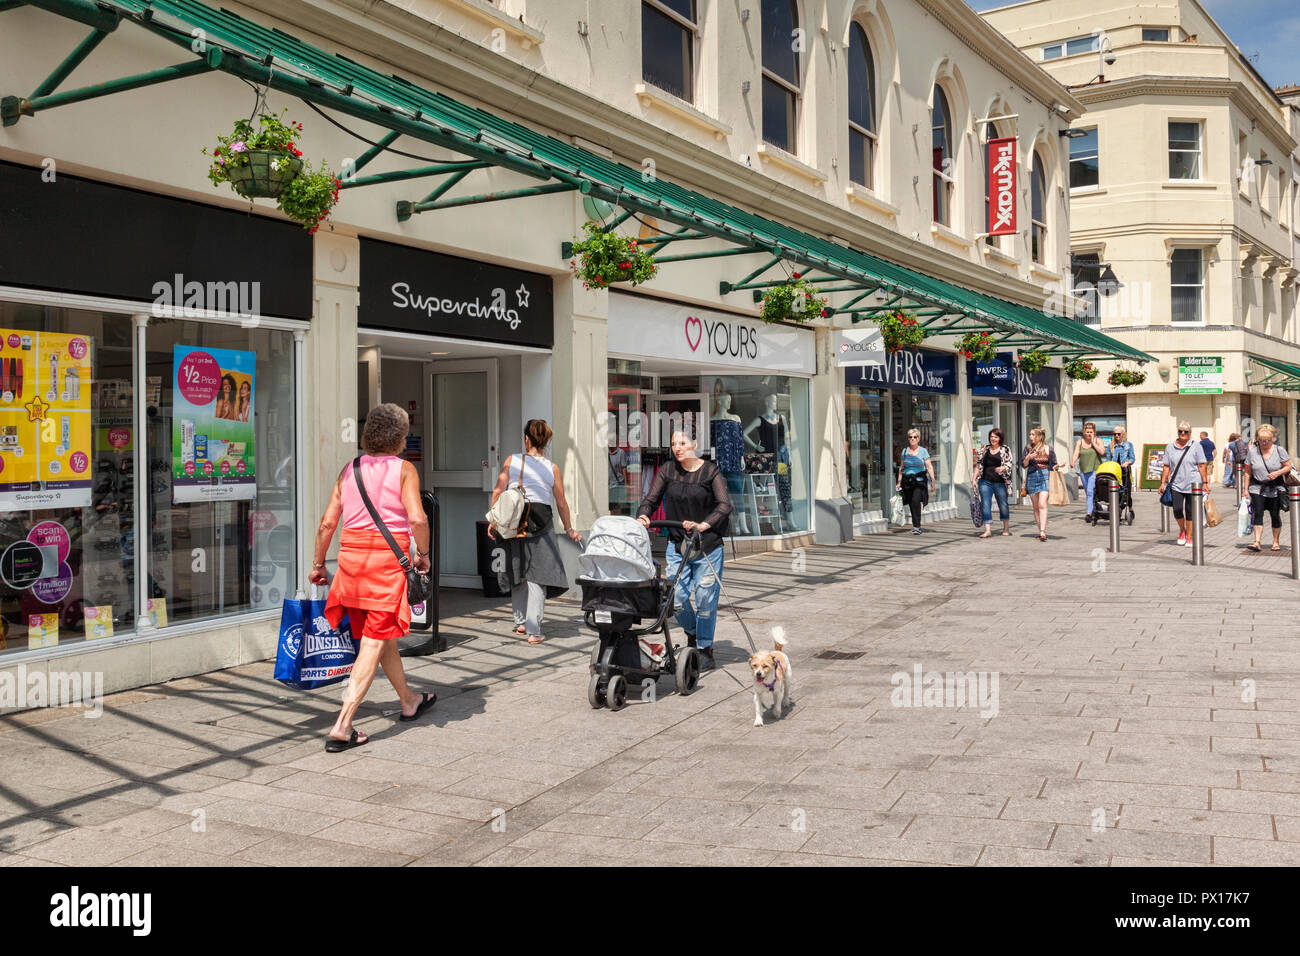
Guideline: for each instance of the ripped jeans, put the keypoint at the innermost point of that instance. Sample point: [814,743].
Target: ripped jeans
[697,592]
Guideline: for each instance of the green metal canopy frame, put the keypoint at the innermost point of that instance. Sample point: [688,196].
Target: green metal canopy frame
[1280,375]
[218,40]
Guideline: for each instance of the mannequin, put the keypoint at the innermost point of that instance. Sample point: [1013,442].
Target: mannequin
[771,446]
[729,449]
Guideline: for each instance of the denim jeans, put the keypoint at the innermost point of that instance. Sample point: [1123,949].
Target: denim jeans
[990,490]
[1089,486]
[697,592]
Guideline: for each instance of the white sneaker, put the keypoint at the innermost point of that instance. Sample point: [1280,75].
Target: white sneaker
[1186,542]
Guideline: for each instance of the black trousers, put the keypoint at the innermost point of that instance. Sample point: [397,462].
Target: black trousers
[914,496]
[1259,504]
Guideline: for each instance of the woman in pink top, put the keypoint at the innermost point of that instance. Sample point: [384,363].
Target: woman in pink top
[370,587]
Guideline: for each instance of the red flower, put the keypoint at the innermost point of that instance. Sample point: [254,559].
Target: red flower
[824,312]
[798,275]
[625,265]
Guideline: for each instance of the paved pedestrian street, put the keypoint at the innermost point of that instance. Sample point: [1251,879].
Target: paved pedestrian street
[1134,710]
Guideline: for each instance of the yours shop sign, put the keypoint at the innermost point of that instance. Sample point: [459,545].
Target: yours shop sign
[652,328]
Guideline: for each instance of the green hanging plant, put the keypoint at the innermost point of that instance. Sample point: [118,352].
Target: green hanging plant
[796,300]
[1079,370]
[604,258]
[977,347]
[264,161]
[900,330]
[1035,360]
[1126,378]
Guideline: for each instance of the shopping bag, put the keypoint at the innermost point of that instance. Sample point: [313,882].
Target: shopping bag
[976,510]
[1212,515]
[900,516]
[310,653]
[1243,518]
[1056,495]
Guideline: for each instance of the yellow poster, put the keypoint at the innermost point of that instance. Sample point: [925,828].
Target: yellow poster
[157,610]
[42,630]
[99,621]
[45,433]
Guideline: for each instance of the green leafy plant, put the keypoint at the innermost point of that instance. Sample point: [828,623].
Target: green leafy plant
[1035,360]
[310,196]
[1080,370]
[1126,378]
[604,258]
[264,160]
[977,347]
[900,331]
[796,299]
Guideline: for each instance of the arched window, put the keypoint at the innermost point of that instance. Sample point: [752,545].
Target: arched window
[991,133]
[782,42]
[862,108]
[1038,210]
[941,130]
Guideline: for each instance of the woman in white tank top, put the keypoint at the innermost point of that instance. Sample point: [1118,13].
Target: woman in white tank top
[534,569]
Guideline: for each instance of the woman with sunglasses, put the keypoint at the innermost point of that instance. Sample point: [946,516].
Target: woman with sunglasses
[1184,464]
[1121,452]
[915,477]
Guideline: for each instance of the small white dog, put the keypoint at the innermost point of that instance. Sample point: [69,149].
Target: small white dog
[773,684]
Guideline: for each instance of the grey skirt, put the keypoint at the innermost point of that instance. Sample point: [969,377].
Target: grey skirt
[535,558]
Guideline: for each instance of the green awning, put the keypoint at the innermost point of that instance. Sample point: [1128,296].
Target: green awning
[1279,375]
[272,58]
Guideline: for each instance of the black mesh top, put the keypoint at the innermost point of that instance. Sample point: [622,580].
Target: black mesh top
[699,495]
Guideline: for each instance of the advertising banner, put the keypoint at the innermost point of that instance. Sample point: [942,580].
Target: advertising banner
[1200,375]
[45,434]
[859,347]
[1001,165]
[212,425]
[1002,377]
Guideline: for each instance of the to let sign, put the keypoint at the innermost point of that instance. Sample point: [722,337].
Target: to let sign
[1002,186]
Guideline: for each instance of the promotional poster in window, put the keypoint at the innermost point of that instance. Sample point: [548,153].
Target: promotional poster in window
[212,425]
[45,388]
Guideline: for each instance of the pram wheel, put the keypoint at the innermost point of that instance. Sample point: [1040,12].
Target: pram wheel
[595,696]
[688,670]
[616,692]
[1129,517]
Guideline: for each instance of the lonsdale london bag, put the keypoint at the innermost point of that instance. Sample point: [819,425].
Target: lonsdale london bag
[310,653]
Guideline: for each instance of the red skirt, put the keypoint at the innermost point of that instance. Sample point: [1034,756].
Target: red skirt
[370,586]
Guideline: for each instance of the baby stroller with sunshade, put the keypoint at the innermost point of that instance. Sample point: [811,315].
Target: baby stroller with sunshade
[1112,473]
[622,586]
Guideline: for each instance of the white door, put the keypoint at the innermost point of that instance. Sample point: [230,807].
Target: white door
[463,458]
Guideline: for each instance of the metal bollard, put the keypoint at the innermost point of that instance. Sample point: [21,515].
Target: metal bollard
[1114,517]
[1241,474]
[1164,517]
[1293,495]
[1198,516]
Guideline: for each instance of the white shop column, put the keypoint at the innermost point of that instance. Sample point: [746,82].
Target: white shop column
[829,479]
[330,373]
[579,397]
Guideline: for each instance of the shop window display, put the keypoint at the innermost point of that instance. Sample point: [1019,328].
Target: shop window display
[67,477]
[752,425]
[222,494]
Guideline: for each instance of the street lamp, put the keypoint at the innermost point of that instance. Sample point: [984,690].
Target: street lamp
[1108,285]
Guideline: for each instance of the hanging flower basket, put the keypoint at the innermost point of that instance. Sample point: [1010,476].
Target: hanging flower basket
[1079,370]
[604,258]
[900,330]
[264,161]
[977,347]
[1126,378]
[1035,360]
[795,300]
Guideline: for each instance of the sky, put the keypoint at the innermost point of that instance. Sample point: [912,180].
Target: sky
[1269,28]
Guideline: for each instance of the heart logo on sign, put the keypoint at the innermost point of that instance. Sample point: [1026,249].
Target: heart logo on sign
[693,322]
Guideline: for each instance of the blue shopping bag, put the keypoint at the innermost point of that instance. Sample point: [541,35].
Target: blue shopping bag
[311,654]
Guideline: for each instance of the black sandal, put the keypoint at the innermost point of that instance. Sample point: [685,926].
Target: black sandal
[334,745]
[424,705]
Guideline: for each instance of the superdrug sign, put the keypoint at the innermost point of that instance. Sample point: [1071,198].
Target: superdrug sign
[411,290]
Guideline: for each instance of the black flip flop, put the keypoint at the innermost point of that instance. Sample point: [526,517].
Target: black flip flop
[334,745]
[1253,547]
[424,705]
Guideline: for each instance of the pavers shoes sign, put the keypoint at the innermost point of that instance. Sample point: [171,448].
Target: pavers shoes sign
[1200,375]
[642,327]
[411,290]
[918,371]
[1003,378]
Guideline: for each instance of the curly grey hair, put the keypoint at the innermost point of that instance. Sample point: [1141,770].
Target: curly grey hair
[385,430]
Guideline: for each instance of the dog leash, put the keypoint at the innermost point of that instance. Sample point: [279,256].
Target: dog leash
[722,591]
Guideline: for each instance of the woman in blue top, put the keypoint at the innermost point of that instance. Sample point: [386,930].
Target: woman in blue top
[1121,452]
[915,477]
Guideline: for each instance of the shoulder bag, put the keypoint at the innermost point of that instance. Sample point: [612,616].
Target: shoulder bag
[1168,497]
[509,516]
[418,585]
